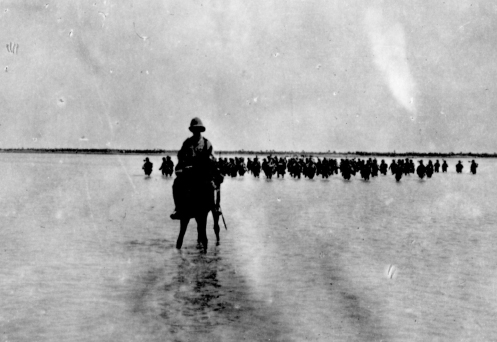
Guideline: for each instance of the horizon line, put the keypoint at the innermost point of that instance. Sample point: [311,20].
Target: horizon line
[162,151]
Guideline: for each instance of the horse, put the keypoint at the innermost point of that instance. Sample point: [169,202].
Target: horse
[198,200]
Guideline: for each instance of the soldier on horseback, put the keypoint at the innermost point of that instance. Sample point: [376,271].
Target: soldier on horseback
[167,167]
[196,185]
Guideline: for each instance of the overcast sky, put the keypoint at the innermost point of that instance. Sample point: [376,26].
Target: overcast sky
[285,75]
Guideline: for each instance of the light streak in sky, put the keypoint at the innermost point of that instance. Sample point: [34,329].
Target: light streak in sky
[388,44]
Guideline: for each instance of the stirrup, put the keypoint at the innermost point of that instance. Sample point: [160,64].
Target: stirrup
[175,215]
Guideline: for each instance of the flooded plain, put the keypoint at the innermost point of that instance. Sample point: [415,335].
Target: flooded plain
[87,250]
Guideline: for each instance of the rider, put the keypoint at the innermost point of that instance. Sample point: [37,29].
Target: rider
[459,167]
[147,167]
[169,166]
[473,167]
[195,172]
[163,167]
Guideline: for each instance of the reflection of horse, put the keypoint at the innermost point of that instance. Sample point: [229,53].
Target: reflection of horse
[195,300]
[199,200]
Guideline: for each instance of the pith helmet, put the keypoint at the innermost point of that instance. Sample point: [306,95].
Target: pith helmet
[196,125]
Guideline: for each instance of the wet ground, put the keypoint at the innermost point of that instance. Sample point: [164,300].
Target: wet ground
[88,255]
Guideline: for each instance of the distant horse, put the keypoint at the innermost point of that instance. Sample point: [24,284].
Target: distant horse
[167,167]
[198,201]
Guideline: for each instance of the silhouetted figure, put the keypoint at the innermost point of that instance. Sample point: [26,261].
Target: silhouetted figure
[459,167]
[421,170]
[281,167]
[429,169]
[242,168]
[437,166]
[473,167]
[296,167]
[411,166]
[147,167]
[267,168]
[311,169]
[163,166]
[345,169]
[167,167]
[365,171]
[374,168]
[256,167]
[354,166]
[325,169]
[383,167]
[398,174]
[406,167]
[196,189]
[249,165]
[297,170]
[393,167]
[444,166]
[233,167]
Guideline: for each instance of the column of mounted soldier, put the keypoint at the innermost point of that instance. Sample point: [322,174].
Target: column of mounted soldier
[309,167]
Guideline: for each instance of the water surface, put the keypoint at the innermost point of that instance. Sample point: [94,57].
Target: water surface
[88,255]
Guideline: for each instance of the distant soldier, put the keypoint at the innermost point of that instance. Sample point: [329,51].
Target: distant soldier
[163,166]
[273,161]
[374,168]
[473,167]
[406,167]
[281,167]
[393,167]
[250,166]
[256,167]
[459,167]
[437,166]
[421,170]
[429,169]
[147,167]
[383,167]
[311,169]
[297,169]
[233,167]
[398,172]
[267,168]
[444,166]
[345,169]
[167,166]
[365,170]
[241,167]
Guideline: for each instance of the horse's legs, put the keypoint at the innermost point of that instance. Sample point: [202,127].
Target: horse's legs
[183,225]
[201,229]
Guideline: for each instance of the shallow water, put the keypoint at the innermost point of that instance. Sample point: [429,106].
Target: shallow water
[88,255]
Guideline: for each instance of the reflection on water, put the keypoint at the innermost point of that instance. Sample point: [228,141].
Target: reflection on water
[195,294]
